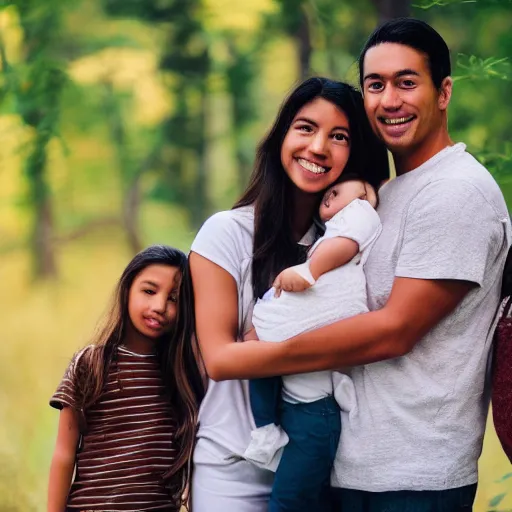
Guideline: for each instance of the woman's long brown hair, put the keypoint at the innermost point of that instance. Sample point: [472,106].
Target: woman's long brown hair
[179,357]
[270,189]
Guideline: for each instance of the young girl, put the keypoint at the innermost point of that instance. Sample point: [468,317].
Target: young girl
[306,422]
[129,401]
[320,132]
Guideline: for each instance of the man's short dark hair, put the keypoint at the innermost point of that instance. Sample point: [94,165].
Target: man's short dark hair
[418,35]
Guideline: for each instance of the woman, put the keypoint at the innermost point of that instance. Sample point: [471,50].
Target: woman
[320,132]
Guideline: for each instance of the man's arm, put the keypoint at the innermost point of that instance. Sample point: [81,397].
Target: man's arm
[414,307]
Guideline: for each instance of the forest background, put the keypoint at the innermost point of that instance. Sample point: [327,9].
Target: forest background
[128,122]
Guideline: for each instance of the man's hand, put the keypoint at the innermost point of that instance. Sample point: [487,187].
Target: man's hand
[290,281]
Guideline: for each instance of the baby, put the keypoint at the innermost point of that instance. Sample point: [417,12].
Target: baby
[298,416]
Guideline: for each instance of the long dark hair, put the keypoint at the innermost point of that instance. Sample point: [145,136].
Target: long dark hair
[270,189]
[177,353]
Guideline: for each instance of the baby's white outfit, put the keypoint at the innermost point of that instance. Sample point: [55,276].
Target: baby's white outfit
[337,294]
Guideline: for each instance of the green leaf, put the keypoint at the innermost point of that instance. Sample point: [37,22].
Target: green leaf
[493,502]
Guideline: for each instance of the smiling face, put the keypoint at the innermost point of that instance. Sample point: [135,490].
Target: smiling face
[403,106]
[152,303]
[316,147]
[341,194]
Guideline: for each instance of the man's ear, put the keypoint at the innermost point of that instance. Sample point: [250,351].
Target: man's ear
[445,93]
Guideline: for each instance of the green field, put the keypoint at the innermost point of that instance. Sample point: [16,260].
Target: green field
[42,326]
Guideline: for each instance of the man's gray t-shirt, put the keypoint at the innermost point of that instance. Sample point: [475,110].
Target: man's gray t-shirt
[418,420]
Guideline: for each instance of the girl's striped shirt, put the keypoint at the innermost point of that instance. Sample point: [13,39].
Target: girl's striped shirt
[128,442]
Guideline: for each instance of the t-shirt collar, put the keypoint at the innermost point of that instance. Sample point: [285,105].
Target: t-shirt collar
[309,237]
[459,147]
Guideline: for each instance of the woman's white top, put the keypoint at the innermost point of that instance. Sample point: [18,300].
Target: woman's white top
[225,416]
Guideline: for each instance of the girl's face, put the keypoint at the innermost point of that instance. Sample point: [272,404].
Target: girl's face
[152,301]
[316,147]
[341,194]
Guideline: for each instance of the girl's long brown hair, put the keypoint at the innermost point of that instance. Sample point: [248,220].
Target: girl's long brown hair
[178,353]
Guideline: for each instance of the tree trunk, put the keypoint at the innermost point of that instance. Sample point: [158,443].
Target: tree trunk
[38,100]
[129,179]
[390,9]
[131,209]
[132,200]
[303,39]
[42,227]
[199,197]
[240,75]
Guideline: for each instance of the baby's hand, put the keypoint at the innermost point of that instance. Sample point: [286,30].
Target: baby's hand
[289,281]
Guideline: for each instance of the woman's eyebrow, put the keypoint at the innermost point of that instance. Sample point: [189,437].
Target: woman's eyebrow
[315,124]
[306,120]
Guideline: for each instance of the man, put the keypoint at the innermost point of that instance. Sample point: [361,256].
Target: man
[413,440]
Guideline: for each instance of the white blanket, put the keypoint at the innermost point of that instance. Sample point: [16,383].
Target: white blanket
[338,294]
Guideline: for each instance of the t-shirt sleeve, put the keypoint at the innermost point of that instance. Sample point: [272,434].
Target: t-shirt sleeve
[451,232]
[66,393]
[358,221]
[219,240]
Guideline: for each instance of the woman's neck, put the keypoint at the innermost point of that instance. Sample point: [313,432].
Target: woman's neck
[304,208]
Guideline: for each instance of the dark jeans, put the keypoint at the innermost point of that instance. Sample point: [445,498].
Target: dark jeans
[302,480]
[452,500]
[265,395]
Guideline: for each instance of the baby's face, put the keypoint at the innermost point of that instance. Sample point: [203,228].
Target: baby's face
[340,195]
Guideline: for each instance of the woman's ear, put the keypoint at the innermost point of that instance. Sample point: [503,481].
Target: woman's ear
[445,93]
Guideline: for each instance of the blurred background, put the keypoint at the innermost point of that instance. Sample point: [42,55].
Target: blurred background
[128,122]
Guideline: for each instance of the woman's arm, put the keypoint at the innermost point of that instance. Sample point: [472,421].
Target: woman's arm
[63,461]
[414,307]
[216,311]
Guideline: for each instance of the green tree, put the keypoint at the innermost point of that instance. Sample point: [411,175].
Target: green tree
[185,65]
[36,85]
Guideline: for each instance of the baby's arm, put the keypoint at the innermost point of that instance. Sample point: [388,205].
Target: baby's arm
[330,254]
[63,461]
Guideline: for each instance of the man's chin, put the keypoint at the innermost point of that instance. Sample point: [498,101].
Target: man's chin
[397,144]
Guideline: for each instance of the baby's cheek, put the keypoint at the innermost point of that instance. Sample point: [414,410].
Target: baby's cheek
[324,213]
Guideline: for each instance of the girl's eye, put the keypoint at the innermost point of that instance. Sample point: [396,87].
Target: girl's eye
[149,292]
[334,193]
[408,83]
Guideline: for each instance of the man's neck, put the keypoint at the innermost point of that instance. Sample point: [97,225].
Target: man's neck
[409,160]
